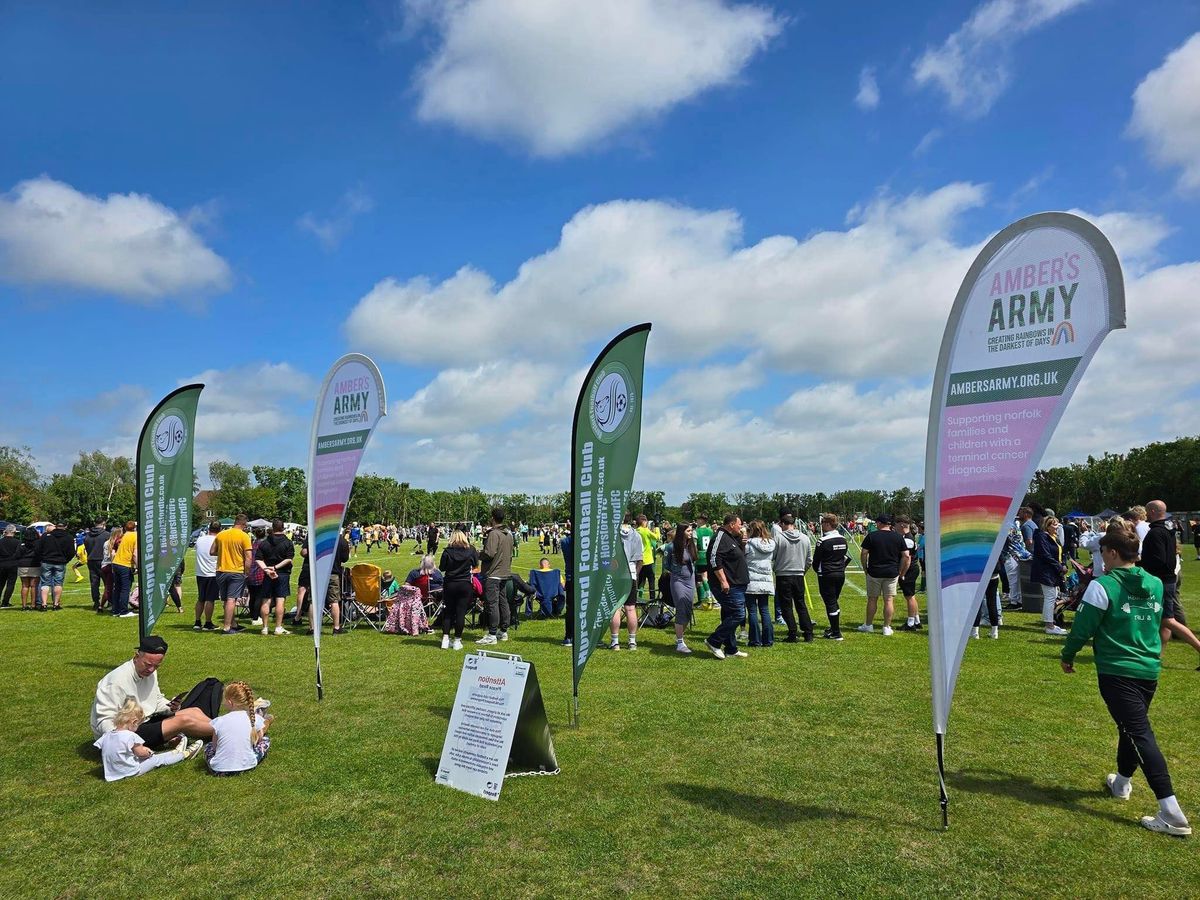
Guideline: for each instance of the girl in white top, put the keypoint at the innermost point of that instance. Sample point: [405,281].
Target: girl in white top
[240,739]
[124,752]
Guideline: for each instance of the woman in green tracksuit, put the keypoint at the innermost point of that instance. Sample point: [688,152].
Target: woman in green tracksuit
[1121,614]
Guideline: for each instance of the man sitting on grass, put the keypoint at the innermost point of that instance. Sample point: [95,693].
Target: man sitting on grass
[165,720]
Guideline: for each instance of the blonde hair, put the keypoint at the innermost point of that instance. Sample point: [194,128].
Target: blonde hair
[238,695]
[459,539]
[129,716]
[115,538]
[758,529]
[1049,523]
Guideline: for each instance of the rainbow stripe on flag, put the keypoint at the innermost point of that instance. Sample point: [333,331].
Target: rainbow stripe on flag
[328,521]
[969,526]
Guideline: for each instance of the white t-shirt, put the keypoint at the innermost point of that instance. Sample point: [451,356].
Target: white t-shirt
[116,750]
[206,563]
[1142,529]
[234,751]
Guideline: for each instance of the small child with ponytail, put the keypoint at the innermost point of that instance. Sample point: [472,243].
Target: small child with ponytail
[240,739]
[125,754]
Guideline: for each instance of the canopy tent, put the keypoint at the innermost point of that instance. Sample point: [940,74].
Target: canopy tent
[260,523]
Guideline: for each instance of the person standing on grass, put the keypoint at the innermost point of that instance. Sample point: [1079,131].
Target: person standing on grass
[760,551]
[458,560]
[1010,558]
[793,551]
[1048,571]
[432,536]
[884,558]
[1027,526]
[991,599]
[1194,525]
[680,563]
[908,584]
[57,549]
[29,567]
[1121,613]
[10,550]
[566,545]
[704,536]
[93,543]
[649,545]
[124,561]
[634,549]
[1159,554]
[333,594]
[497,569]
[730,576]
[829,561]
[233,554]
[206,578]
[274,557]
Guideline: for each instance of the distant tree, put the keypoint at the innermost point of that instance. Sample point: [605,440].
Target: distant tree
[20,487]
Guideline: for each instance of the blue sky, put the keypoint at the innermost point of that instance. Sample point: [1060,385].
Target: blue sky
[479,192]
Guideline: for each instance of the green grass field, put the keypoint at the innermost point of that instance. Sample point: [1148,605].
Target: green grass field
[805,770]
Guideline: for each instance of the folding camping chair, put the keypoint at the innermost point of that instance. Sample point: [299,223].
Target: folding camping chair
[548,589]
[365,602]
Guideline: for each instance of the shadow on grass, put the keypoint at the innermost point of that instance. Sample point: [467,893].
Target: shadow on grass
[431,764]
[88,753]
[91,665]
[1025,789]
[755,809]
[442,712]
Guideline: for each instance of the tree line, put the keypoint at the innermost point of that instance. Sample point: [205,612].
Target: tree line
[99,484]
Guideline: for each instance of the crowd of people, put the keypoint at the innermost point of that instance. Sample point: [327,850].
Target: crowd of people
[1124,597]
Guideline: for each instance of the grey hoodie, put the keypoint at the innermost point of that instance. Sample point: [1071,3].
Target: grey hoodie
[793,552]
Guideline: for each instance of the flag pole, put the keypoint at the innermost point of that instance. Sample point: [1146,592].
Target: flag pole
[941,762]
[320,687]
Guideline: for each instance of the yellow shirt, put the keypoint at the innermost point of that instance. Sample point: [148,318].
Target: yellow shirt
[125,550]
[231,545]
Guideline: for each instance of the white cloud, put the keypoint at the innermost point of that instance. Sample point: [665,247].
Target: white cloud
[331,229]
[971,67]
[1166,112]
[868,89]
[931,137]
[124,244]
[483,396]
[559,75]
[811,304]
[251,402]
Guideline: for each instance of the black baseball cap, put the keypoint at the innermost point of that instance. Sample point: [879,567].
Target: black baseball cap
[885,519]
[152,643]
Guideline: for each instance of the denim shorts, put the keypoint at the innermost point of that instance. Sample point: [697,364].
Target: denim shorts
[52,575]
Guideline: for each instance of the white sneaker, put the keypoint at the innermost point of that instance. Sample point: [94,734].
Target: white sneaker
[633,645]
[614,645]
[1110,781]
[995,632]
[1159,824]
[266,630]
[128,615]
[504,635]
[866,629]
[742,653]
[715,651]
[445,642]
[682,648]
[193,749]
[1056,631]
[279,629]
[887,631]
[257,622]
[975,633]
[457,645]
[487,639]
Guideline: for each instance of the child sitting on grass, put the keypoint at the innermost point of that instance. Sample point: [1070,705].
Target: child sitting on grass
[124,752]
[240,739]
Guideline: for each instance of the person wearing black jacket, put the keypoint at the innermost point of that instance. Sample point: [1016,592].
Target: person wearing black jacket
[730,576]
[274,557]
[1159,552]
[93,543]
[29,567]
[829,561]
[10,549]
[458,593]
[56,548]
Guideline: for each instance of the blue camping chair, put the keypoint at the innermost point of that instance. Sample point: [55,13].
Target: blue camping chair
[548,589]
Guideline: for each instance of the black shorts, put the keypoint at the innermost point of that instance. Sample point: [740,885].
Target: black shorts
[631,600]
[150,731]
[908,585]
[1171,607]
[274,589]
[206,589]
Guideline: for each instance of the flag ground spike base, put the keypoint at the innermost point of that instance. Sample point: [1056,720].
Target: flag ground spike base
[941,761]
[320,688]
